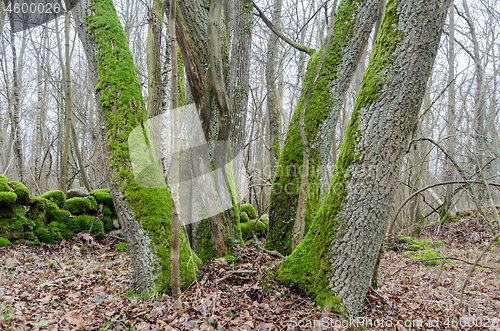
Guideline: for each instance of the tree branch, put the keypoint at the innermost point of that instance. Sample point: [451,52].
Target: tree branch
[289,41]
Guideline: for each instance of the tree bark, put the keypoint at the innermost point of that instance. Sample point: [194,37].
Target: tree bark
[68,103]
[336,259]
[353,24]
[153,53]
[450,114]
[272,109]
[144,213]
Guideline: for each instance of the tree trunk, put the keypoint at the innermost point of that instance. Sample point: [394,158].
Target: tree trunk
[144,213]
[202,43]
[353,24]
[450,114]
[67,106]
[240,78]
[272,109]
[336,259]
[16,126]
[153,53]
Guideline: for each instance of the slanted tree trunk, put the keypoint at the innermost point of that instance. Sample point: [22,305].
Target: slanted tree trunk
[336,259]
[144,213]
[201,39]
[353,23]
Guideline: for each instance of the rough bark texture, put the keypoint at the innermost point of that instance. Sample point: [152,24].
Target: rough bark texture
[208,84]
[153,53]
[272,110]
[353,24]
[144,213]
[336,259]
[450,114]
[240,75]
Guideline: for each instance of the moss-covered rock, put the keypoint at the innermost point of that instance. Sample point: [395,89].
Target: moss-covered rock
[13,227]
[7,198]
[103,197]
[79,206]
[74,225]
[265,220]
[55,196]
[55,214]
[248,208]
[4,242]
[85,221]
[44,236]
[259,229]
[20,189]
[106,218]
[37,212]
[244,217]
[98,231]
[4,184]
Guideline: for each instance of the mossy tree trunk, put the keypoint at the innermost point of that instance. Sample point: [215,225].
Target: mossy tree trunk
[353,23]
[144,213]
[336,259]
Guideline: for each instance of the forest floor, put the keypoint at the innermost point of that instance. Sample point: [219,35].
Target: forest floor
[72,286]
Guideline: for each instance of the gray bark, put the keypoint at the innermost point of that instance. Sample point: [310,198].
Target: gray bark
[273,112]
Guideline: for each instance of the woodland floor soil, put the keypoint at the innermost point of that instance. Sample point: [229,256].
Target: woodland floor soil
[59,287]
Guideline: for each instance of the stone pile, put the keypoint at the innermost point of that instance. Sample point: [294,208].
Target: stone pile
[51,217]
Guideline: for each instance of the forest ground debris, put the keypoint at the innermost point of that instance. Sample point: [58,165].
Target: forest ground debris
[54,288]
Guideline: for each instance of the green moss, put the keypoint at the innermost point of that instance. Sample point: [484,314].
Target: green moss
[20,189]
[4,242]
[248,208]
[106,218]
[7,198]
[265,220]
[123,109]
[29,235]
[79,206]
[37,212]
[429,254]
[308,267]
[414,247]
[44,236]
[55,214]
[84,221]
[286,183]
[439,243]
[74,225]
[103,197]
[55,196]
[14,226]
[121,247]
[98,231]
[205,251]
[4,184]
[259,229]
[244,217]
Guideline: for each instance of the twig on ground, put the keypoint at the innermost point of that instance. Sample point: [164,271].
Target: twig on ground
[382,297]
[272,253]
